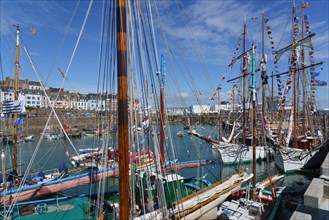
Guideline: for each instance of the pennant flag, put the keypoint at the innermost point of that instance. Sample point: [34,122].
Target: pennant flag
[265,20]
[319,83]
[315,74]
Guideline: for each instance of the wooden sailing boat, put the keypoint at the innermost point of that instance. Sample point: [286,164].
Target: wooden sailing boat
[232,153]
[254,206]
[296,143]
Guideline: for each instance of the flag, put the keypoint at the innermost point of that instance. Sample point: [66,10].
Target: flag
[315,74]
[10,106]
[146,123]
[19,121]
[14,106]
[219,88]
[319,83]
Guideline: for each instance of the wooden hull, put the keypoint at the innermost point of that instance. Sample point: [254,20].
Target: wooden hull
[38,190]
[201,204]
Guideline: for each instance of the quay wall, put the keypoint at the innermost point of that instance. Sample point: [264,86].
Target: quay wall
[35,119]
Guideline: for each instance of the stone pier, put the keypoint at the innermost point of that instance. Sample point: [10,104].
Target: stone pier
[316,197]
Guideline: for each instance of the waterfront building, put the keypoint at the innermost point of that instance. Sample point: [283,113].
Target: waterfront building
[177,111]
[33,99]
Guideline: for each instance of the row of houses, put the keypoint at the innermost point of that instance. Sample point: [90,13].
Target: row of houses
[35,97]
[58,98]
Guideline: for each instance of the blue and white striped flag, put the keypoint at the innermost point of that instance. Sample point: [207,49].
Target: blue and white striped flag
[10,106]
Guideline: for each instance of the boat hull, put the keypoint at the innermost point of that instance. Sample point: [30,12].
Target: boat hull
[38,190]
[294,159]
[237,153]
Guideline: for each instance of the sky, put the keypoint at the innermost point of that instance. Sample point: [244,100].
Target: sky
[200,39]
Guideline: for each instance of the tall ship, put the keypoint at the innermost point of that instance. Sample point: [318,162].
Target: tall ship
[293,133]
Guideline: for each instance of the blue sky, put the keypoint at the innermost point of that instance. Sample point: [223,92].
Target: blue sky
[202,37]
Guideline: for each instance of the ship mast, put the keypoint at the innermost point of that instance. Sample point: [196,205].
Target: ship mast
[263,69]
[294,66]
[162,115]
[16,97]
[244,74]
[254,113]
[304,75]
[122,109]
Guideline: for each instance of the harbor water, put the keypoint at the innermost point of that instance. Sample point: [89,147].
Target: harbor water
[52,152]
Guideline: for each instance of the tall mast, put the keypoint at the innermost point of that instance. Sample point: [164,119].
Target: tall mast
[304,75]
[16,96]
[244,74]
[294,66]
[272,96]
[254,118]
[122,109]
[263,68]
[162,115]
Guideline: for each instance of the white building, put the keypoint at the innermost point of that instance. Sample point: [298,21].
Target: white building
[199,109]
[33,99]
[96,105]
[82,104]
[176,111]
[34,85]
